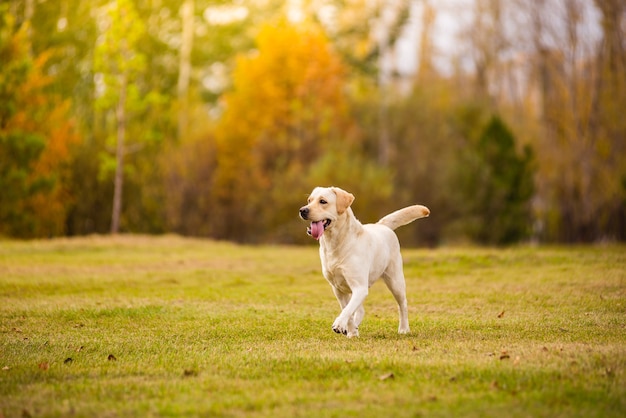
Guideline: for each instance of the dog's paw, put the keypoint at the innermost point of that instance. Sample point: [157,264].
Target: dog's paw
[354,333]
[340,330]
[346,328]
[340,326]
[406,330]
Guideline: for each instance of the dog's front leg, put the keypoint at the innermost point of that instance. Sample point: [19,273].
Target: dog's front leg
[344,299]
[344,323]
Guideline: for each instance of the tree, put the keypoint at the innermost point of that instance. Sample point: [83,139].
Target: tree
[498,186]
[184,72]
[580,74]
[607,120]
[35,137]
[285,110]
[119,62]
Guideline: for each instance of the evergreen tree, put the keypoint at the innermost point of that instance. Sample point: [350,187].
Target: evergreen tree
[502,186]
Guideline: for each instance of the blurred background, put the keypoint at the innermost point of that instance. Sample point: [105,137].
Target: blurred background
[217,118]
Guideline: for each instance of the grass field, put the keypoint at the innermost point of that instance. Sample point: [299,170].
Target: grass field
[166,326]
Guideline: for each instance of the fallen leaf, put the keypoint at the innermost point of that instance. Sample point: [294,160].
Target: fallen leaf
[386,376]
[112,357]
[44,365]
[68,360]
[501,314]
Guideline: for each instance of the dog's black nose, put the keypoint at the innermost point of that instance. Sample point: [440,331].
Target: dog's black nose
[304,212]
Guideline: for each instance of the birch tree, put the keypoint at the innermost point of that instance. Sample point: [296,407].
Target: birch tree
[184,74]
[118,63]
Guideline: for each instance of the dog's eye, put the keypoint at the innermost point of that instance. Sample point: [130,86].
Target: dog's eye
[323,202]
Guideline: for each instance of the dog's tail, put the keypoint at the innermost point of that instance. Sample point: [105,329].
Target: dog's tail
[404,216]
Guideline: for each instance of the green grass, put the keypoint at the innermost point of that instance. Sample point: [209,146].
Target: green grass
[166,326]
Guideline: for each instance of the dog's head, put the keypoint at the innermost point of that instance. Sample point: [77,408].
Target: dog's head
[325,206]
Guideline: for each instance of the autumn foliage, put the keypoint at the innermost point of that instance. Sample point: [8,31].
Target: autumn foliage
[286,109]
[36,135]
[519,137]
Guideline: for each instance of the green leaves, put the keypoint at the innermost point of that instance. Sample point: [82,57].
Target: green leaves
[34,137]
[496,184]
[117,56]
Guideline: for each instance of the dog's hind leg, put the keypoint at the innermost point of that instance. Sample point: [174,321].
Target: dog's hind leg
[355,321]
[394,279]
[358,316]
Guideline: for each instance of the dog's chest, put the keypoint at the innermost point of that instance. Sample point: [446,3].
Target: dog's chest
[336,280]
[333,272]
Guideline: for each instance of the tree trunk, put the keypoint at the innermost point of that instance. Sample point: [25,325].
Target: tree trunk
[119,154]
[383,87]
[184,72]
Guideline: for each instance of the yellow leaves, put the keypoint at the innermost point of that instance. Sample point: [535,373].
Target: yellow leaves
[286,107]
[294,70]
[117,58]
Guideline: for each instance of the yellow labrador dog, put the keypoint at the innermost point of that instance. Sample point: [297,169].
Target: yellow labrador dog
[354,255]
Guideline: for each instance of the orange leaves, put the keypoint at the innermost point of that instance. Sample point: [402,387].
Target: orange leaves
[295,69]
[286,86]
[286,108]
[36,135]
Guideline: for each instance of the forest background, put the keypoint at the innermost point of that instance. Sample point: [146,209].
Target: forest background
[216,118]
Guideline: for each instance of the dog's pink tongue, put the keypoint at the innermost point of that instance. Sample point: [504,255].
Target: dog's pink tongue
[317,229]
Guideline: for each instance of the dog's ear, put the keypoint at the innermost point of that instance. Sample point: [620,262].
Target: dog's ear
[344,199]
